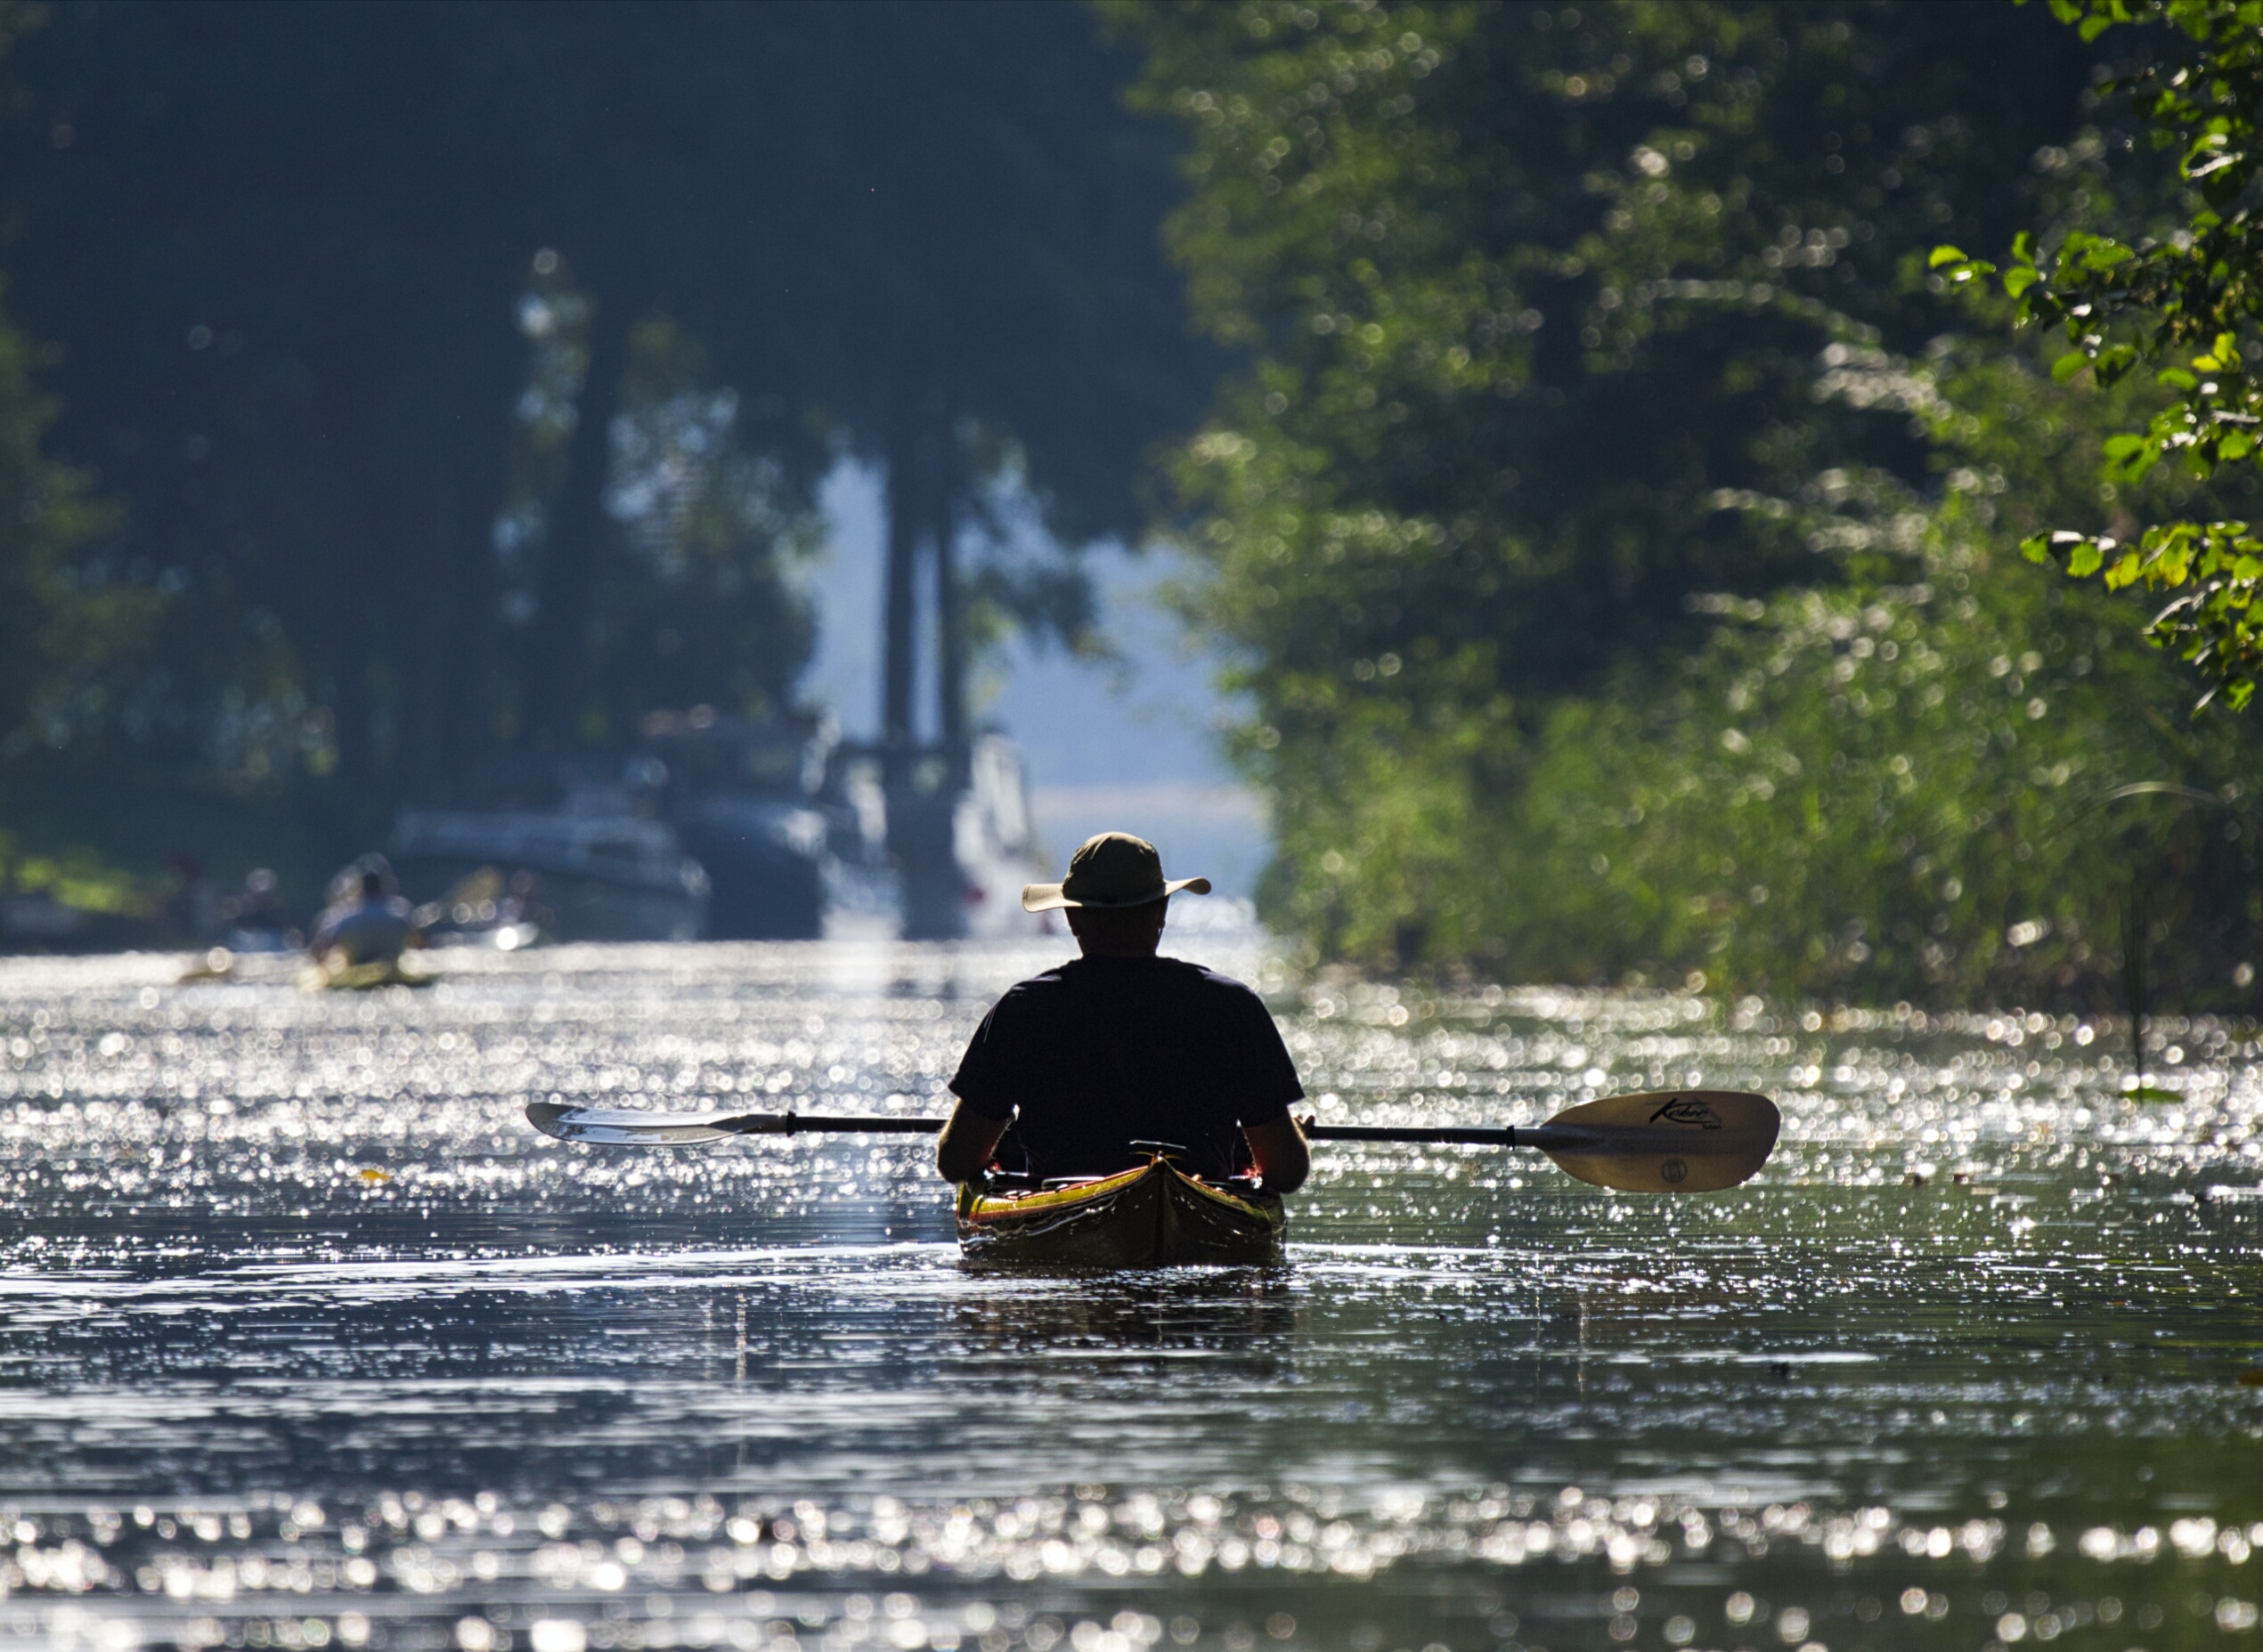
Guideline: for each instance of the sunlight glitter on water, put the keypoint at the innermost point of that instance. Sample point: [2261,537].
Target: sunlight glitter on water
[305,1338]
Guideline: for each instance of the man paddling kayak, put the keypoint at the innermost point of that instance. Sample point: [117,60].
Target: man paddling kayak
[369,927]
[1121,1047]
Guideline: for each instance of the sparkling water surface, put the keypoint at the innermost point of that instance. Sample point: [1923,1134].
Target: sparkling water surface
[306,1339]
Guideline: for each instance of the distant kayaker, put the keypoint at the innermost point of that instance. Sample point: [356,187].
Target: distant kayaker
[369,927]
[1122,1045]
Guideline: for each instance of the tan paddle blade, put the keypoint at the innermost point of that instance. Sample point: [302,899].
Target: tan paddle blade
[1663,1142]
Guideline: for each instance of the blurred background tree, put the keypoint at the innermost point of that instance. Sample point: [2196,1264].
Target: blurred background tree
[458,379]
[65,623]
[2175,290]
[1609,521]
[1607,462]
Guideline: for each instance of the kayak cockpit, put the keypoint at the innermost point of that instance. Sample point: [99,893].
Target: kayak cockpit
[1153,1216]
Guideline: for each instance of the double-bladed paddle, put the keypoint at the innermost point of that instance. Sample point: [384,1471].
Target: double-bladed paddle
[1662,1141]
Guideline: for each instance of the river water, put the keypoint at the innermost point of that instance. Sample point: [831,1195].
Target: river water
[306,1339]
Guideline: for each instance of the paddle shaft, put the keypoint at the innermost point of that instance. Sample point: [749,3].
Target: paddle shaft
[1556,1138]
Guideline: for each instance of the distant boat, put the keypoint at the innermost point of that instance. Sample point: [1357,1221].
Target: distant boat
[727,828]
[961,838]
[996,835]
[39,917]
[598,873]
[761,804]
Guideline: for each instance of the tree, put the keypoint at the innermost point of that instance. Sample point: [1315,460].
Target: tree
[1932,778]
[63,627]
[694,603]
[1536,299]
[64,622]
[994,302]
[288,349]
[2184,297]
[281,254]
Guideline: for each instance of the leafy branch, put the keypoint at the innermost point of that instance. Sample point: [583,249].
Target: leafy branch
[2188,303]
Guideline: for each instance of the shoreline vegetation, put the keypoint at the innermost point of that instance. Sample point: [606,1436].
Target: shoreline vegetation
[1617,526]
[399,405]
[1616,518]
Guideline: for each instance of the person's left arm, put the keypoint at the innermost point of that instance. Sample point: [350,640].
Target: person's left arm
[968,1141]
[971,1133]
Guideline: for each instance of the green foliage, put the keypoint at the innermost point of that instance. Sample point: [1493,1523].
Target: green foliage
[1615,564]
[1526,293]
[1879,792]
[1931,781]
[700,605]
[62,622]
[2184,297]
[77,876]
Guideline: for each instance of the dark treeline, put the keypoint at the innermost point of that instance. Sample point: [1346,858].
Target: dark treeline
[442,383]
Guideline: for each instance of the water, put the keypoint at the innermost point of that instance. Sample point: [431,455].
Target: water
[306,1339]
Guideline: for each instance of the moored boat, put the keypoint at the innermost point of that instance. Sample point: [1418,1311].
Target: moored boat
[1156,1216]
[603,872]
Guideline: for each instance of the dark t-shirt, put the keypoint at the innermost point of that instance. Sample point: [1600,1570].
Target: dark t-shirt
[368,931]
[1101,1053]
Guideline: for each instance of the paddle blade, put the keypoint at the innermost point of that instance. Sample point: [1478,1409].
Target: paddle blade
[1665,1141]
[623,1126]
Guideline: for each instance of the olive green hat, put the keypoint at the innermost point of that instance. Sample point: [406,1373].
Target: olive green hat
[1113,869]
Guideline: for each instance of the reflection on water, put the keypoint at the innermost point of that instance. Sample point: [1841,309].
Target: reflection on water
[306,1339]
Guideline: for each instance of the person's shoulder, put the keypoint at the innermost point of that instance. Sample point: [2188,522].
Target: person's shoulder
[1190,969]
[1043,985]
[1202,978]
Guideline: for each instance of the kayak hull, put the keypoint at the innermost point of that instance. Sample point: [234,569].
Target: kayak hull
[1154,1217]
[359,977]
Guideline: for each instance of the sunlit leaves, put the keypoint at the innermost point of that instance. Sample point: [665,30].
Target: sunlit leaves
[2189,302]
[2214,570]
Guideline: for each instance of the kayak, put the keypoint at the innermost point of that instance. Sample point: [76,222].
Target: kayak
[1156,1216]
[359,977]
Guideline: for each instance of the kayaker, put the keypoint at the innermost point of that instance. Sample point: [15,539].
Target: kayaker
[368,928]
[1122,1045]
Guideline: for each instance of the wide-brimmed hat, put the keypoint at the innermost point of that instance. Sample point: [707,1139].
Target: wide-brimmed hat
[1113,869]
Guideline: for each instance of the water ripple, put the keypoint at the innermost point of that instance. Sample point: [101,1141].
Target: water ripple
[306,1339]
